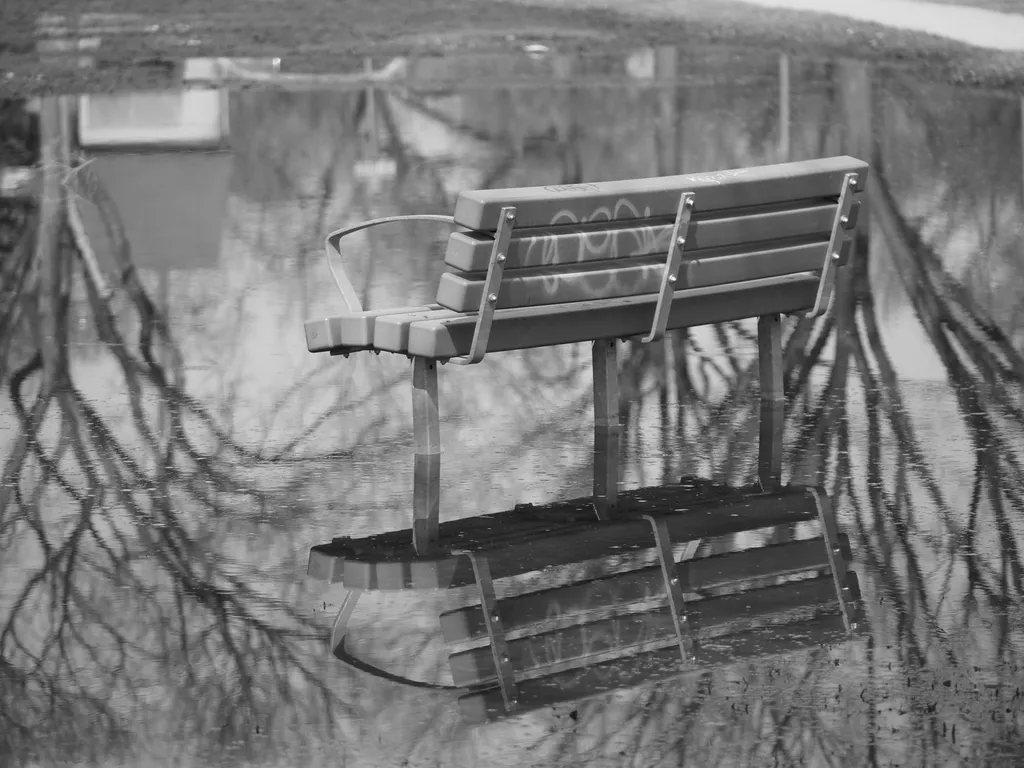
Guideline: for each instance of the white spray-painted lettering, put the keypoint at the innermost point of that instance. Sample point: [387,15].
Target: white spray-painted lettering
[597,244]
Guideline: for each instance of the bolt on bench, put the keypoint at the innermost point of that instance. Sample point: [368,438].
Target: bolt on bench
[540,266]
[726,599]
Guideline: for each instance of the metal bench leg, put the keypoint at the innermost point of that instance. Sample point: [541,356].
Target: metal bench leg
[426,426]
[769,350]
[606,427]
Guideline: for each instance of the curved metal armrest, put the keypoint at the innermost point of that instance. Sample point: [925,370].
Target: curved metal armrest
[338,634]
[348,291]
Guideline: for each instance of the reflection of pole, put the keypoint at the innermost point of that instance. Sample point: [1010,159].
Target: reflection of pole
[784,118]
[163,416]
[666,68]
[48,265]
[666,61]
[564,67]
[855,87]
[1022,150]
[853,82]
[371,108]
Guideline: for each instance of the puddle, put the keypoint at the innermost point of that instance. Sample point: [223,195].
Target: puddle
[188,450]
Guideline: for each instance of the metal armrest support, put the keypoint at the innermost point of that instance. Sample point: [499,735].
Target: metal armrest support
[348,291]
[492,283]
[832,255]
[672,263]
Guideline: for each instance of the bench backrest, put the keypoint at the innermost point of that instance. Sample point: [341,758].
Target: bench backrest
[623,622]
[610,239]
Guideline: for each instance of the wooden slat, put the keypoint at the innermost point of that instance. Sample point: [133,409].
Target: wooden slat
[391,332]
[353,329]
[556,544]
[445,334]
[579,683]
[724,268]
[553,245]
[467,624]
[583,641]
[645,198]
[461,292]
[556,285]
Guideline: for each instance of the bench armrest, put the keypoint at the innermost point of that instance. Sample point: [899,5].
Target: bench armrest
[348,291]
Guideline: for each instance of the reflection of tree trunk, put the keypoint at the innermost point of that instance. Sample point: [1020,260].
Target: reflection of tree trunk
[784,105]
[51,286]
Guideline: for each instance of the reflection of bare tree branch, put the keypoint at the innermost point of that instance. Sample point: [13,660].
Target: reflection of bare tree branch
[893,503]
[129,526]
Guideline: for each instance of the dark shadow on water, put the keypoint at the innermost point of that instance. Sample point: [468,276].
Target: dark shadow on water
[170,451]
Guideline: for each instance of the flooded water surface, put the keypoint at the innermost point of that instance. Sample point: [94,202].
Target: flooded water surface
[171,450]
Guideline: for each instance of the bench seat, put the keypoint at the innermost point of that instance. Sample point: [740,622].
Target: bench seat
[531,538]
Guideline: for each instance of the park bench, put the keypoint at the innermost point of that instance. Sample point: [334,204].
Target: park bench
[598,262]
[755,576]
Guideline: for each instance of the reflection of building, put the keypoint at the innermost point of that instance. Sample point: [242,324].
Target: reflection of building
[191,118]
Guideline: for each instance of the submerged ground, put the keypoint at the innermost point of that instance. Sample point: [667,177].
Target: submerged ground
[170,451]
[324,36]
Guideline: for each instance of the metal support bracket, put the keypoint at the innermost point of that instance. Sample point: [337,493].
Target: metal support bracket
[836,560]
[673,590]
[495,629]
[832,255]
[672,263]
[492,284]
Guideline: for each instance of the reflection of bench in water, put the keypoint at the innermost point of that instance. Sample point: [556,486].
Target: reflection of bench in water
[712,597]
[541,266]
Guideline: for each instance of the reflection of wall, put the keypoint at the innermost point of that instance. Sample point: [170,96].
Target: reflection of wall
[189,118]
[172,205]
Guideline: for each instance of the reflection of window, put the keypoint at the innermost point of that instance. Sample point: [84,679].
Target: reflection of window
[142,110]
[194,117]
